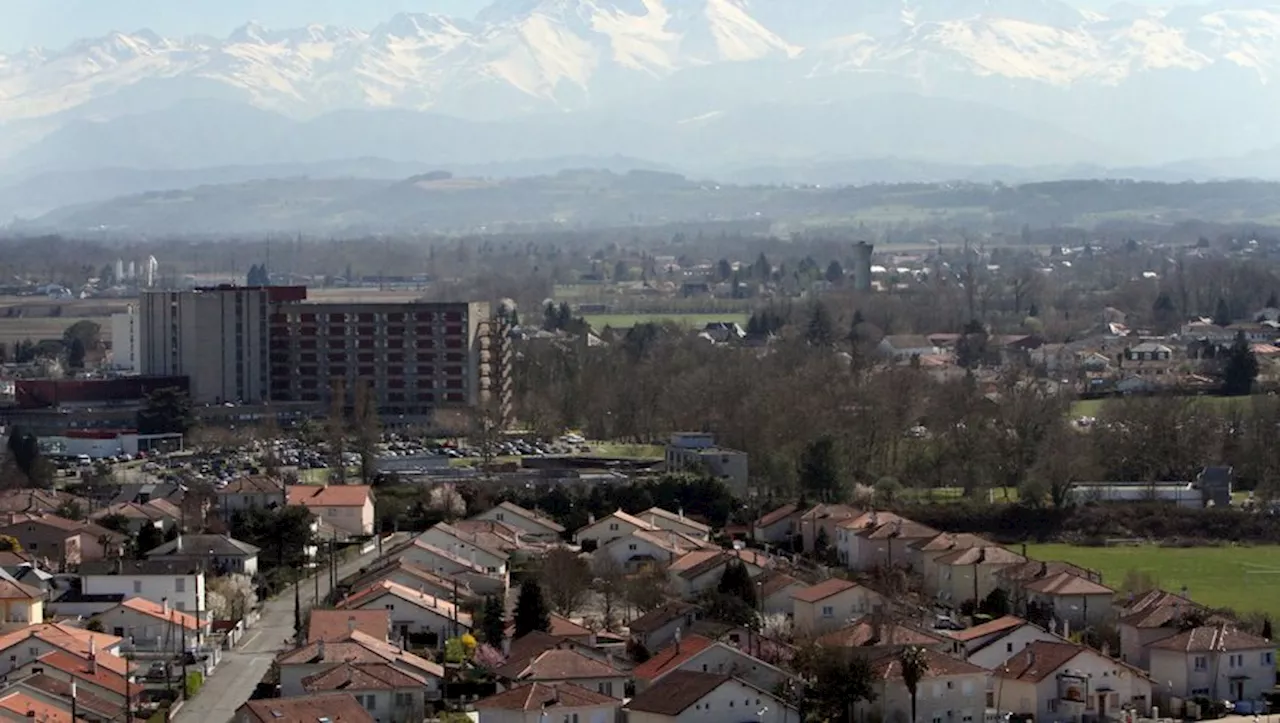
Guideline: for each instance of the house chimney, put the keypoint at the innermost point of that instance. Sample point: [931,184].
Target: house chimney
[351,624]
[164,602]
[320,650]
[677,640]
[680,511]
[591,518]
[506,646]
[93,656]
[1031,658]
[179,541]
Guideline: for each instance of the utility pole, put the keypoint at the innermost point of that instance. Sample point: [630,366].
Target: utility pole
[297,610]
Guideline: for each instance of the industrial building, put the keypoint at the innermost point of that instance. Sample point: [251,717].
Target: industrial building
[272,345]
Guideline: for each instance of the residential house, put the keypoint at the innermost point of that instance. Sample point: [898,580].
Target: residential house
[971,574]
[699,570]
[388,693]
[902,347]
[335,708]
[702,654]
[698,451]
[1218,662]
[445,563]
[887,544]
[160,514]
[412,612]
[778,526]
[598,533]
[874,632]
[151,627]
[24,705]
[565,666]
[63,543]
[89,676]
[642,549]
[548,702]
[676,522]
[355,648]
[20,604]
[818,525]
[950,690]
[563,628]
[1014,578]
[250,492]
[831,604]
[1150,617]
[34,641]
[845,541]
[347,507]
[31,501]
[924,553]
[219,554]
[995,641]
[406,573]
[657,628]
[181,583]
[776,590]
[687,696]
[533,524]
[1067,682]
[1076,601]
[334,625]
[470,546]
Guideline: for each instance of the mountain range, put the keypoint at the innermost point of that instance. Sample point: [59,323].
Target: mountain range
[707,86]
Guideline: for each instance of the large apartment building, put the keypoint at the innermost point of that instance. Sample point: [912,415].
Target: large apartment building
[414,358]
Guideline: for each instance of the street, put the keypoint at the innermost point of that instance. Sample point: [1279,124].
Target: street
[242,669]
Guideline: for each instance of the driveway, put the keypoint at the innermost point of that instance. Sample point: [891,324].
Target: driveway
[243,668]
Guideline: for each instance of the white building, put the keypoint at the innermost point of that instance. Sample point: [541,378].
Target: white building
[1219,662]
[412,612]
[951,690]
[126,341]
[532,524]
[1068,682]
[598,533]
[181,583]
[149,626]
[548,702]
[991,643]
[698,451]
[692,697]
[323,655]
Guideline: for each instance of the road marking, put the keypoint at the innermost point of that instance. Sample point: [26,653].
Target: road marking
[250,639]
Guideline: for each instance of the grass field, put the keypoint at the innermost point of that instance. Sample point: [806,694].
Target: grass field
[1245,579]
[1094,407]
[626,321]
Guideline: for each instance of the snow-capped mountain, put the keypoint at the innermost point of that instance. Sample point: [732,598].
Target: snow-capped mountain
[1134,78]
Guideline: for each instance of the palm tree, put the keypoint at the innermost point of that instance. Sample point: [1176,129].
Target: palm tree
[914,666]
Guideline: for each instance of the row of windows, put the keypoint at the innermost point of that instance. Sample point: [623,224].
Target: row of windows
[340,317]
[707,706]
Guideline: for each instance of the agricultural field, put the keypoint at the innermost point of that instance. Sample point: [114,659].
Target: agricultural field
[1245,579]
[693,321]
[1094,407]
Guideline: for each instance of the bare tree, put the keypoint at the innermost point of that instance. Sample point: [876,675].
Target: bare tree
[368,430]
[335,431]
[566,578]
[609,580]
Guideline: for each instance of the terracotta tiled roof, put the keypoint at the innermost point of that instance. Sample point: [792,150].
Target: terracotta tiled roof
[1211,638]
[14,558]
[672,657]
[358,648]
[441,553]
[698,562]
[947,542]
[660,617]
[1066,583]
[990,555]
[1156,609]
[867,520]
[49,520]
[157,611]
[34,500]
[253,484]
[900,529]
[889,667]
[335,624]
[866,633]
[336,707]
[85,700]
[14,590]
[999,625]
[654,513]
[361,676]
[823,590]
[424,600]
[558,664]
[824,511]
[545,696]
[76,641]
[330,495]
[561,627]
[497,537]
[672,695]
[535,643]
[79,667]
[624,517]
[776,516]
[773,582]
[673,542]
[1038,661]
[532,516]
[1036,569]
[24,704]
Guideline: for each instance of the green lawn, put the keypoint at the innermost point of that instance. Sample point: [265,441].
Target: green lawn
[626,321]
[1245,579]
[1094,407]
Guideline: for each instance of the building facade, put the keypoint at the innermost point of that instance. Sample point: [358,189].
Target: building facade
[126,340]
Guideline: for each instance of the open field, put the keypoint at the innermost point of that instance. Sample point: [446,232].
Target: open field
[37,328]
[1094,407]
[626,321]
[1245,579]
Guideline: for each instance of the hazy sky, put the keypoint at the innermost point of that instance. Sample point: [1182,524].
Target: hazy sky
[55,23]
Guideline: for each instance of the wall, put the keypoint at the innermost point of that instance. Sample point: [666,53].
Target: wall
[1006,647]
[726,660]
[1216,675]
[146,632]
[951,699]
[152,587]
[732,702]
[553,715]
[845,606]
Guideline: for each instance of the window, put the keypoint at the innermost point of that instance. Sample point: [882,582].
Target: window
[500,517]
[1200,692]
[828,611]
[1266,658]
[137,586]
[1201,663]
[404,700]
[632,546]
[613,527]
[606,688]
[180,584]
[570,718]
[937,719]
[966,688]
[1008,647]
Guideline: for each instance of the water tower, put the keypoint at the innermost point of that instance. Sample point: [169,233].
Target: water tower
[862,266]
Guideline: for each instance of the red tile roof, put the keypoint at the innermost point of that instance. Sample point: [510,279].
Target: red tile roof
[1210,638]
[336,707]
[866,633]
[986,555]
[999,625]
[335,624]
[424,600]
[561,627]
[1066,583]
[79,667]
[658,618]
[889,667]
[824,590]
[36,709]
[361,676]
[330,495]
[358,648]
[776,516]
[85,701]
[672,657]
[946,542]
[900,529]
[76,641]
[558,664]
[545,696]
[1038,661]
[673,695]
[253,484]
[157,611]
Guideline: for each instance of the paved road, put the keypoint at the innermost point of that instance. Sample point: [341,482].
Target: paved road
[242,669]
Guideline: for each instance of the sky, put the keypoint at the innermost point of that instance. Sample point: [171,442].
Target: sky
[57,23]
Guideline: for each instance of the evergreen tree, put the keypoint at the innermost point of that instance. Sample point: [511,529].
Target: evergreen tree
[819,470]
[762,269]
[1222,314]
[835,272]
[531,610]
[564,316]
[736,582]
[724,270]
[75,354]
[493,621]
[1241,368]
[149,538]
[914,667]
[821,329]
